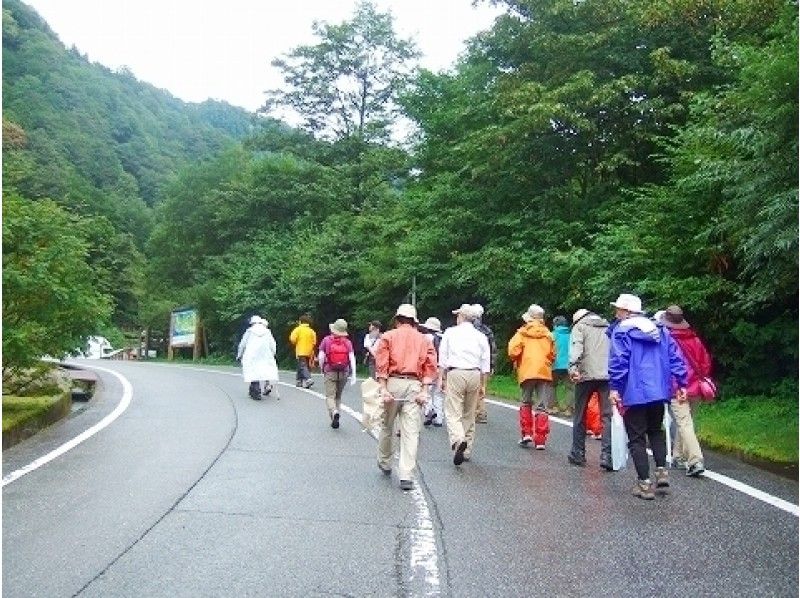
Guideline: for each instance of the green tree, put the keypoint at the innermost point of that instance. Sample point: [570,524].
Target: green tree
[50,299]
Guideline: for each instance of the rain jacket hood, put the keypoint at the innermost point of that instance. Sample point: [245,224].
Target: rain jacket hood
[532,351]
[644,362]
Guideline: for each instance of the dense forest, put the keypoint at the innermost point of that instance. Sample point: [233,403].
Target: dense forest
[576,150]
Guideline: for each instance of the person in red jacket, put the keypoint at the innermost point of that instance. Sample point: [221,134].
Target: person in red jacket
[686,448]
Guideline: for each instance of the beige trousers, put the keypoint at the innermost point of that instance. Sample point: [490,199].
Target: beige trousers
[409,415]
[686,446]
[461,403]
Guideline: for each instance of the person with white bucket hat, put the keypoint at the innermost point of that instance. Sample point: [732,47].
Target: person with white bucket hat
[434,411]
[532,352]
[643,360]
[405,367]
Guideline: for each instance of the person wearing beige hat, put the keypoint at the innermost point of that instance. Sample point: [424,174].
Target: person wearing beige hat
[337,361]
[405,367]
[434,411]
[532,353]
[465,363]
[686,449]
[588,369]
[482,415]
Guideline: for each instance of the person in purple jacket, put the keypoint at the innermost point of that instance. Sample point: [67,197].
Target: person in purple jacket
[643,361]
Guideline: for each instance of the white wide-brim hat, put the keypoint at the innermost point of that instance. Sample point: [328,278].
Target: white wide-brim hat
[629,303]
[534,312]
[432,324]
[407,310]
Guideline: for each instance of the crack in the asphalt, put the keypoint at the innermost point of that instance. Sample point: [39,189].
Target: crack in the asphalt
[174,505]
[438,530]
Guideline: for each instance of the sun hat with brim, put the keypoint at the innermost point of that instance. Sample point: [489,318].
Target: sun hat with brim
[673,318]
[629,303]
[579,315]
[432,324]
[535,312]
[407,310]
[465,309]
[255,319]
[339,327]
[478,310]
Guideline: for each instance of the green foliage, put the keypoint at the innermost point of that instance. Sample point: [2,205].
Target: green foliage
[51,300]
[345,85]
[763,427]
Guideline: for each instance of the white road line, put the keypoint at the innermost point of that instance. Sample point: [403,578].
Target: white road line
[717,477]
[127,395]
[424,556]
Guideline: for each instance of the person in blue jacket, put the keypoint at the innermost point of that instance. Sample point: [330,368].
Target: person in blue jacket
[643,361]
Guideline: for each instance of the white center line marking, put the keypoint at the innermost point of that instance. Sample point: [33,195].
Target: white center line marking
[127,395]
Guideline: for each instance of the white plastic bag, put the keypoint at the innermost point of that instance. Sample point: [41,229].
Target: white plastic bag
[619,441]
[667,424]
[372,406]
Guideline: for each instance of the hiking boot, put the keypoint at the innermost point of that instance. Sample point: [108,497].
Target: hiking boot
[539,447]
[335,420]
[696,470]
[267,390]
[482,419]
[384,470]
[406,484]
[662,477]
[429,419]
[525,441]
[458,457]
[308,383]
[679,463]
[576,461]
[606,465]
[644,490]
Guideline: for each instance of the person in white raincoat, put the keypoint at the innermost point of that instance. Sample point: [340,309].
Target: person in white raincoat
[257,353]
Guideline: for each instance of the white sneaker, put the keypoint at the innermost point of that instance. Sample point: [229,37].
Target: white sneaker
[525,441]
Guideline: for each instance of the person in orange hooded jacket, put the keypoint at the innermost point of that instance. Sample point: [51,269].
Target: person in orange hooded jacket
[532,352]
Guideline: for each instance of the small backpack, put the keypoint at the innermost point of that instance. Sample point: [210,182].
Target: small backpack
[337,357]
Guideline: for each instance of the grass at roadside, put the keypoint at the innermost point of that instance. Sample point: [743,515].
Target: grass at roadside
[17,410]
[761,427]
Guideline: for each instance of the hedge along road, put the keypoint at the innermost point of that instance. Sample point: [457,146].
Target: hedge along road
[196,489]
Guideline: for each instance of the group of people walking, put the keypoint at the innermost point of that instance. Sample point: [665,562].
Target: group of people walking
[431,377]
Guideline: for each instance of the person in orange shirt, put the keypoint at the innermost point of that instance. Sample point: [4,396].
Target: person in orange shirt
[532,352]
[405,367]
[304,340]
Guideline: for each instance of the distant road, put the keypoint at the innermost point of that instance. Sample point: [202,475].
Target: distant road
[193,489]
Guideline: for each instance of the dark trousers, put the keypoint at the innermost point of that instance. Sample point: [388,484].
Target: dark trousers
[584,390]
[302,369]
[643,423]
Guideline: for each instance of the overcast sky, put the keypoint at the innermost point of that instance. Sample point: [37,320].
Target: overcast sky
[222,49]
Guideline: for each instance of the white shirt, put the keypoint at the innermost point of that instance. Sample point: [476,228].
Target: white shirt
[371,343]
[464,347]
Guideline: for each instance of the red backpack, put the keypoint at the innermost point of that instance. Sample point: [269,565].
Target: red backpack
[337,357]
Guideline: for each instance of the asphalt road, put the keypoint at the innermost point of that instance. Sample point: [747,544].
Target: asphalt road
[196,490]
